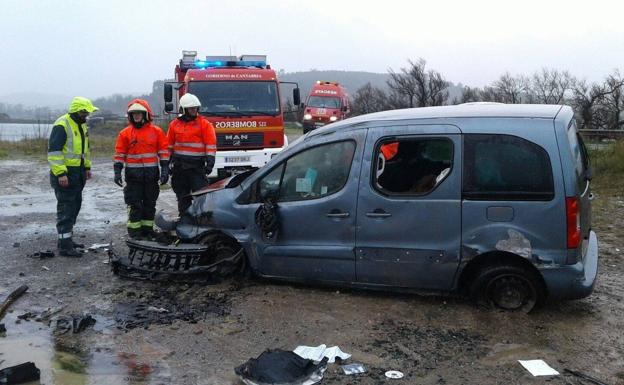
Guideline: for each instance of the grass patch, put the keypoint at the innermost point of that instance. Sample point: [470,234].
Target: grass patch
[608,168]
[101,146]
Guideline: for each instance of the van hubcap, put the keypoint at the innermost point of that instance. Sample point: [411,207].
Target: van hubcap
[511,292]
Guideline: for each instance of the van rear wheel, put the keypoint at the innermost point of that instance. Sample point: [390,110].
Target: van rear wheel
[507,287]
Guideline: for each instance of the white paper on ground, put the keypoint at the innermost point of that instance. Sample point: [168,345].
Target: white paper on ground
[538,368]
[317,353]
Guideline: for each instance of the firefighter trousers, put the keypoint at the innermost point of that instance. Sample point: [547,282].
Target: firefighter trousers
[183,182]
[141,196]
[68,201]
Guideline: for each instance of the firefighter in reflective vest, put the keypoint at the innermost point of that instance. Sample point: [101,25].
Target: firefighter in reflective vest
[140,146]
[193,146]
[70,167]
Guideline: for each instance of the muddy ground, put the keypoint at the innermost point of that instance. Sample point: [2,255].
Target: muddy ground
[209,330]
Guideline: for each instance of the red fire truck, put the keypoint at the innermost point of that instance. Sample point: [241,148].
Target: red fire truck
[327,102]
[241,98]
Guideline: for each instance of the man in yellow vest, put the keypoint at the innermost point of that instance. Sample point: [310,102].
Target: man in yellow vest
[70,167]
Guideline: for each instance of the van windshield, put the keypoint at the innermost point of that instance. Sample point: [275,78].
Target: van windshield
[323,102]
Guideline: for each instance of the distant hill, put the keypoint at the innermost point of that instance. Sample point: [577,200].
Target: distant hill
[116,104]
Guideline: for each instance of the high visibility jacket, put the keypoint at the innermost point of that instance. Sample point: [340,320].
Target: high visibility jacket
[141,147]
[75,152]
[191,140]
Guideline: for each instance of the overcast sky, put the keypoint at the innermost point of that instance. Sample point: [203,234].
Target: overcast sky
[96,48]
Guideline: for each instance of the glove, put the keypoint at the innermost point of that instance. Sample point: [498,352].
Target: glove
[164,172]
[118,181]
[210,161]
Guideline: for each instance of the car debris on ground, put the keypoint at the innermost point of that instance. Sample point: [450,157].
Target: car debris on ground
[12,297]
[19,374]
[317,353]
[281,367]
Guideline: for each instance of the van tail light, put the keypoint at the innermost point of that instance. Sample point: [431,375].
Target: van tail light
[573,220]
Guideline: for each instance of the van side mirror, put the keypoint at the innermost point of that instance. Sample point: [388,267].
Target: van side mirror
[296,97]
[302,106]
[345,108]
[168,107]
[168,91]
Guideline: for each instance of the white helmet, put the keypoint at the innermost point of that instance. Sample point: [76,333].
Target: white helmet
[189,100]
[137,107]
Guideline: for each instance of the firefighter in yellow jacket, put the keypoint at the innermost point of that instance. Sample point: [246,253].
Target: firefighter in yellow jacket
[70,167]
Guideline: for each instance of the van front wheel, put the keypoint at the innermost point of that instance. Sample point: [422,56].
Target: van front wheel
[507,287]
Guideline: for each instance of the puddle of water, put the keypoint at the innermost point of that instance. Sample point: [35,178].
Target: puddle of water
[99,364]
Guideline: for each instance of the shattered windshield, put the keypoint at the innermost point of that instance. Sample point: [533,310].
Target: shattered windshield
[229,98]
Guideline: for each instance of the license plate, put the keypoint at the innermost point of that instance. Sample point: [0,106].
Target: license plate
[319,124]
[237,159]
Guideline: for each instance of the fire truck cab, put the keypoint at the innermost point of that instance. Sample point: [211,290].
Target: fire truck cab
[327,102]
[240,96]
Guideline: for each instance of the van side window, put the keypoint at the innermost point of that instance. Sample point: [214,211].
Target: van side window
[310,174]
[411,166]
[505,167]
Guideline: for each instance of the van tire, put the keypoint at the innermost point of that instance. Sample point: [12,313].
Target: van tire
[507,287]
[224,247]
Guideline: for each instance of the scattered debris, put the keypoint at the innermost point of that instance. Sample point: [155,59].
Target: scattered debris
[585,377]
[42,254]
[163,307]
[73,323]
[45,268]
[97,246]
[394,374]
[538,368]
[355,368]
[19,374]
[2,329]
[281,367]
[15,294]
[158,309]
[16,244]
[48,313]
[317,353]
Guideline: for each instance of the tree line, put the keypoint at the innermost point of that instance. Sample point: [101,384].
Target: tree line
[597,105]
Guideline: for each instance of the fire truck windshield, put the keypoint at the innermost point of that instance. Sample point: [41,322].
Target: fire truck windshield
[323,102]
[236,98]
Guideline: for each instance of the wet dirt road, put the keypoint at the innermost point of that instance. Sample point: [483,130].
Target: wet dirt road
[148,333]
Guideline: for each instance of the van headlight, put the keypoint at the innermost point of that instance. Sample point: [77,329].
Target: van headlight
[307,117]
[333,118]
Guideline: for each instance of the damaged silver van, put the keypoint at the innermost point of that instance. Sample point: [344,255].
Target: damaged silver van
[488,200]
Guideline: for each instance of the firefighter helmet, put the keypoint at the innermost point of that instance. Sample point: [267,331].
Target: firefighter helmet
[189,100]
[136,107]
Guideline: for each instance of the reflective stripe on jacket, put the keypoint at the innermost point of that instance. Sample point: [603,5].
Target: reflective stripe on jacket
[141,147]
[74,153]
[192,139]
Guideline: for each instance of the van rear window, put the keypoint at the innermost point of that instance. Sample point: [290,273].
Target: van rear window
[505,167]
[579,154]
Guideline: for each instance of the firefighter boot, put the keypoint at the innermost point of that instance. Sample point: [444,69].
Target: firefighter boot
[66,248]
[78,245]
[148,233]
[135,234]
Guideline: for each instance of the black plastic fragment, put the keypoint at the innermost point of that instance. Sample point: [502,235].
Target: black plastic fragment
[18,374]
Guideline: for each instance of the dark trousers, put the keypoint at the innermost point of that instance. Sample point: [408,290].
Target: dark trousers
[69,201]
[185,180]
[141,196]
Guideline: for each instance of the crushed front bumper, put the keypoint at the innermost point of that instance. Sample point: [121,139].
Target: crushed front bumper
[183,262]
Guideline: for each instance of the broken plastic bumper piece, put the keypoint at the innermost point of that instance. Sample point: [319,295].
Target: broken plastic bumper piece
[183,262]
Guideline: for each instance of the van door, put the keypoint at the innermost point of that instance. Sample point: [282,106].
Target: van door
[316,191]
[409,207]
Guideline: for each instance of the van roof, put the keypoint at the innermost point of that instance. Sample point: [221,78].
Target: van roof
[467,110]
